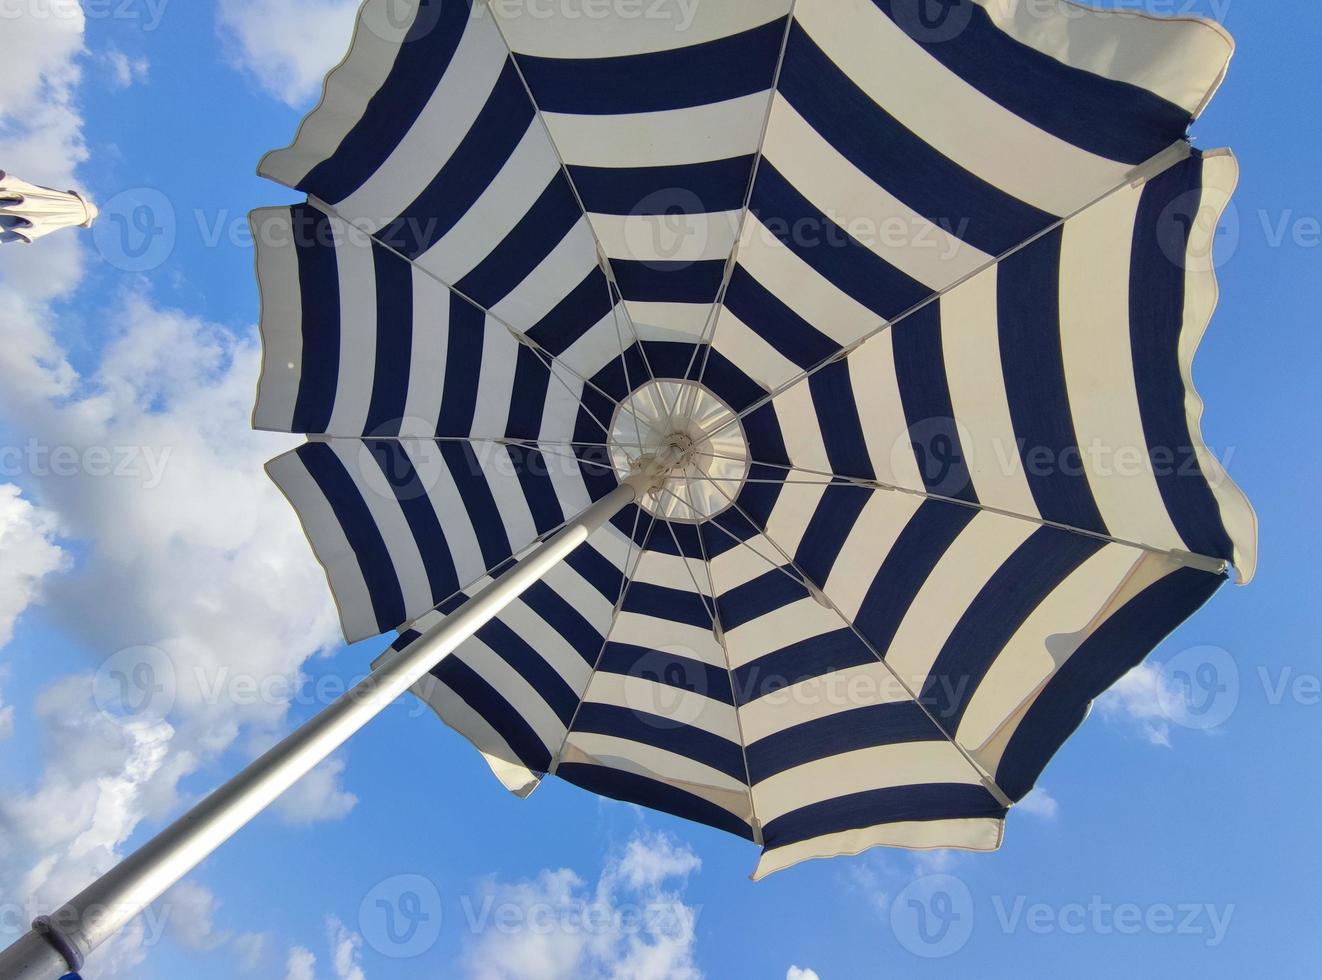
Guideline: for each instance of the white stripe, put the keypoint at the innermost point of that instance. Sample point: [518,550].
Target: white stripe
[780,628]
[281,319]
[677,707]
[859,771]
[786,707]
[679,771]
[881,413]
[495,383]
[747,351]
[564,268]
[667,237]
[514,688]
[971,346]
[973,834]
[682,323]
[431,344]
[589,31]
[666,138]
[356,268]
[455,712]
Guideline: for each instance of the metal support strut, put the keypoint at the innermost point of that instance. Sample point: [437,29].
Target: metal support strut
[59,943]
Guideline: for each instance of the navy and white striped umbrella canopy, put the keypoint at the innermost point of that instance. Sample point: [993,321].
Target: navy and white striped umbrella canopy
[917,297]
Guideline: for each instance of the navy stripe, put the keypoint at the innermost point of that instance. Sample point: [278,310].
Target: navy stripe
[1028,315]
[532,667]
[925,539]
[532,378]
[484,699]
[538,491]
[463,365]
[660,602]
[319,296]
[581,309]
[699,74]
[1117,646]
[801,661]
[1166,212]
[672,670]
[793,337]
[394,342]
[830,250]
[422,61]
[626,786]
[754,599]
[354,517]
[545,224]
[896,804]
[598,570]
[893,157]
[1113,119]
[893,723]
[558,613]
[479,157]
[1020,585]
[405,639]
[669,282]
[663,733]
[920,370]
[479,502]
[411,494]
[837,419]
[831,524]
[690,188]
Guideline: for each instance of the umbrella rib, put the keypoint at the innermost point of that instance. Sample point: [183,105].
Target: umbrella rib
[1152,167]
[988,781]
[729,669]
[517,334]
[602,258]
[704,342]
[1206,563]
[627,581]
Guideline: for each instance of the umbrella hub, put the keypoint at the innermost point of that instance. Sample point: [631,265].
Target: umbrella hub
[696,432]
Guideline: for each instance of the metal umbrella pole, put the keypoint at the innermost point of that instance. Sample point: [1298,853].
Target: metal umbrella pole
[60,942]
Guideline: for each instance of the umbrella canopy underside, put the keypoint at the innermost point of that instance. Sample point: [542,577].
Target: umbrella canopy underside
[922,300]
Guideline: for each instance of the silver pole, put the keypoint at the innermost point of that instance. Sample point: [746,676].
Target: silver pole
[60,942]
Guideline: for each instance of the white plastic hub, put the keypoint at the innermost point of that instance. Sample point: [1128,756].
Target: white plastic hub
[684,415]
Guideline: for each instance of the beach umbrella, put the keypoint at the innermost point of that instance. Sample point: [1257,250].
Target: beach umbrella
[29,211]
[782,418]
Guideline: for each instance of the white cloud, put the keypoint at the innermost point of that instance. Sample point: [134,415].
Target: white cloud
[1141,697]
[287,46]
[317,797]
[125,72]
[191,911]
[633,922]
[27,542]
[1039,803]
[250,949]
[346,950]
[301,964]
[800,973]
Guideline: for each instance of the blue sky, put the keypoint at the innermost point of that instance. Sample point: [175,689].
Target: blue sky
[1162,842]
